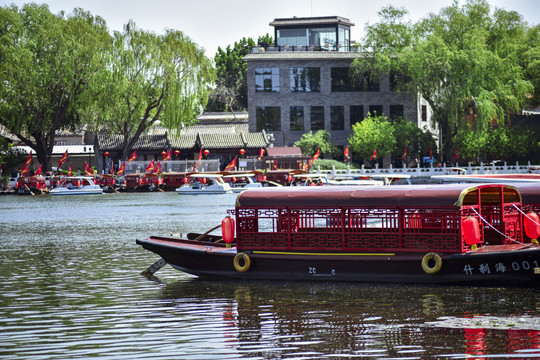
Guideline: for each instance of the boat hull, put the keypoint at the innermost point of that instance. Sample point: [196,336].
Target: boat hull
[510,266]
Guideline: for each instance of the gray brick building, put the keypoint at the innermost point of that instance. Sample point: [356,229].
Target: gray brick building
[293,89]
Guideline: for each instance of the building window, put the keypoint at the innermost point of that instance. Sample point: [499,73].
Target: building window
[396,112]
[375,110]
[267,79]
[342,80]
[398,81]
[337,118]
[317,118]
[356,114]
[424,113]
[268,118]
[297,118]
[305,79]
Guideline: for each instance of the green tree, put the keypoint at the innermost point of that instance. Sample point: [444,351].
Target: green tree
[370,134]
[458,60]
[48,67]
[417,141]
[231,73]
[309,143]
[230,93]
[152,77]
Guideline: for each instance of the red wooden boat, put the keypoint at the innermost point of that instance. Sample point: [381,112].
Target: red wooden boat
[35,185]
[143,182]
[436,234]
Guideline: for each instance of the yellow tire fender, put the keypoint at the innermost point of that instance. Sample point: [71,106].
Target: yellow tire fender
[242,257]
[431,263]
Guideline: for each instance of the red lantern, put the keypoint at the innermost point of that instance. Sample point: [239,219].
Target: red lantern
[242,152]
[176,152]
[471,231]
[532,226]
[206,152]
[163,153]
[106,153]
[227,229]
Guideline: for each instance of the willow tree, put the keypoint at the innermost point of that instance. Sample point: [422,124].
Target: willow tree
[48,67]
[463,60]
[152,78]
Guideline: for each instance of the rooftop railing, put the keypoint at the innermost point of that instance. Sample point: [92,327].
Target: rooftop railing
[284,48]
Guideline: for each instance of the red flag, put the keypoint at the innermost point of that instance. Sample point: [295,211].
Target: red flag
[63,159]
[275,165]
[158,169]
[150,167]
[430,153]
[404,153]
[232,165]
[112,168]
[39,171]
[167,156]
[198,162]
[261,153]
[122,170]
[28,159]
[87,170]
[346,153]
[70,172]
[374,156]
[454,158]
[133,156]
[316,156]
[26,167]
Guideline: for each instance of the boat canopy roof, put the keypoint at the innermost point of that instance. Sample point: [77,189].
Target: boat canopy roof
[457,195]
[530,193]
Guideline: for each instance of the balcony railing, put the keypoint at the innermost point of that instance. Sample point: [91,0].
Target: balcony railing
[272,48]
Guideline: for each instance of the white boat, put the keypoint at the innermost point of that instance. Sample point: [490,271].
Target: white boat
[77,185]
[390,179]
[208,184]
[250,185]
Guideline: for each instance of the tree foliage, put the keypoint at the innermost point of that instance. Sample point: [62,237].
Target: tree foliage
[309,143]
[460,59]
[230,93]
[390,138]
[48,67]
[370,134]
[152,77]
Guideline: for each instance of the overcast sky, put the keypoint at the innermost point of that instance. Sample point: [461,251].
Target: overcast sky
[213,23]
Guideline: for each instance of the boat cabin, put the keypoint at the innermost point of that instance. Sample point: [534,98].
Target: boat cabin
[407,218]
[174,180]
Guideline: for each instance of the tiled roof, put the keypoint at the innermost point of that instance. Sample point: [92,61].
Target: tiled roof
[309,21]
[305,55]
[145,142]
[184,141]
[284,151]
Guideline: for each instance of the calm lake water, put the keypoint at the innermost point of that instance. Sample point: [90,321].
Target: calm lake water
[70,289]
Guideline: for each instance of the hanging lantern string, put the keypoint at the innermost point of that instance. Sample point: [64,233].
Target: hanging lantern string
[491,226]
[518,209]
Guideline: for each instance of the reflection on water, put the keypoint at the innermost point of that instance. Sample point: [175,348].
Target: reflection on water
[70,288]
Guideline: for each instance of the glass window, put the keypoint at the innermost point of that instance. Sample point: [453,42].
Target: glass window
[317,118]
[375,110]
[297,118]
[356,114]
[424,113]
[323,37]
[268,118]
[305,79]
[396,112]
[337,118]
[291,37]
[342,80]
[267,79]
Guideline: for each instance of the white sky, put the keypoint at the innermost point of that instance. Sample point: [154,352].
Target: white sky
[213,23]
